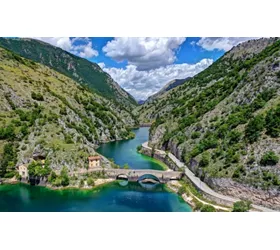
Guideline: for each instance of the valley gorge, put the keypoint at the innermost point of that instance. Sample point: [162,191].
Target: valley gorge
[223,123]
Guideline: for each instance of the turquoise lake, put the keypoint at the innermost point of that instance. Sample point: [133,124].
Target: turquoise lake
[118,196]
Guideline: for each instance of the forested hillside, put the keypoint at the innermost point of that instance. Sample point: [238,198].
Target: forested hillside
[43,111]
[224,123]
[80,70]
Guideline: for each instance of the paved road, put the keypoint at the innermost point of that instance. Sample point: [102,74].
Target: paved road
[202,185]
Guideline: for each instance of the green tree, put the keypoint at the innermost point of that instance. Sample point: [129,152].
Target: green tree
[37,96]
[8,133]
[273,122]
[90,181]
[81,184]
[52,177]
[241,206]
[254,128]
[64,177]
[205,159]
[8,158]
[269,159]
[195,135]
[182,190]
[234,136]
[207,208]
[125,166]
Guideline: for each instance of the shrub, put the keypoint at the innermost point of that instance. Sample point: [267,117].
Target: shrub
[232,156]
[64,177]
[57,182]
[204,160]
[24,130]
[273,122]
[198,205]
[139,147]
[7,133]
[209,142]
[222,131]
[254,128]
[125,166]
[207,208]
[52,177]
[10,174]
[241,206]
[90,181]
[269,159]
[81,184]
[37,96]
[68,139]
[239,172]
[182,190]
[195,135]
[8,158]
[234,136]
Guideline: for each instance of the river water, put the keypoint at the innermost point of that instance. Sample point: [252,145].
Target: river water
[119,196]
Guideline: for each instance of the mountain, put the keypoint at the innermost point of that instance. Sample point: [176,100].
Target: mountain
[224,123]
[170,85]
[81,70]
[147,111]
[140,102]
[44,111]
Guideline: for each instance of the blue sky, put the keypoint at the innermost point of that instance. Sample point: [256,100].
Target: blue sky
[187,53]
[142,66]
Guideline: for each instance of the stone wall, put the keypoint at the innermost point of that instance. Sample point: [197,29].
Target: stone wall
[159,156]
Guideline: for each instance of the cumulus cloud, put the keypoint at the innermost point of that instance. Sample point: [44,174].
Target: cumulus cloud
[142,84]
[221,43]
[145,53]
[83,48]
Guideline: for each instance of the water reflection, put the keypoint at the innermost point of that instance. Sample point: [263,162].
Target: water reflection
[149,186]
[123,183]
[140,185]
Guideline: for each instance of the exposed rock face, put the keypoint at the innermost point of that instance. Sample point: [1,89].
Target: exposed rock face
[39,152]
[269,198]
[156,137]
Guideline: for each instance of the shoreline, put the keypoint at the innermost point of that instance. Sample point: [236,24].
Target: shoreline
[174,187]
[162,164]
[98,183]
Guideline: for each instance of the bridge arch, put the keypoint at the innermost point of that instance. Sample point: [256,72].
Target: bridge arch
[148,177]
[122,177]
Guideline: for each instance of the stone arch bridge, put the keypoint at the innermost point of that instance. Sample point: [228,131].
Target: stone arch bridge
[137,174]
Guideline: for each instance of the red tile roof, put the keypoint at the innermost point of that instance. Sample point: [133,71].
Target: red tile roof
[91,158]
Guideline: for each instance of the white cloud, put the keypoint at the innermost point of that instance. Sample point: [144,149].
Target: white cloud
[144,52]
[221,43]
[83,49]
[142,84]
